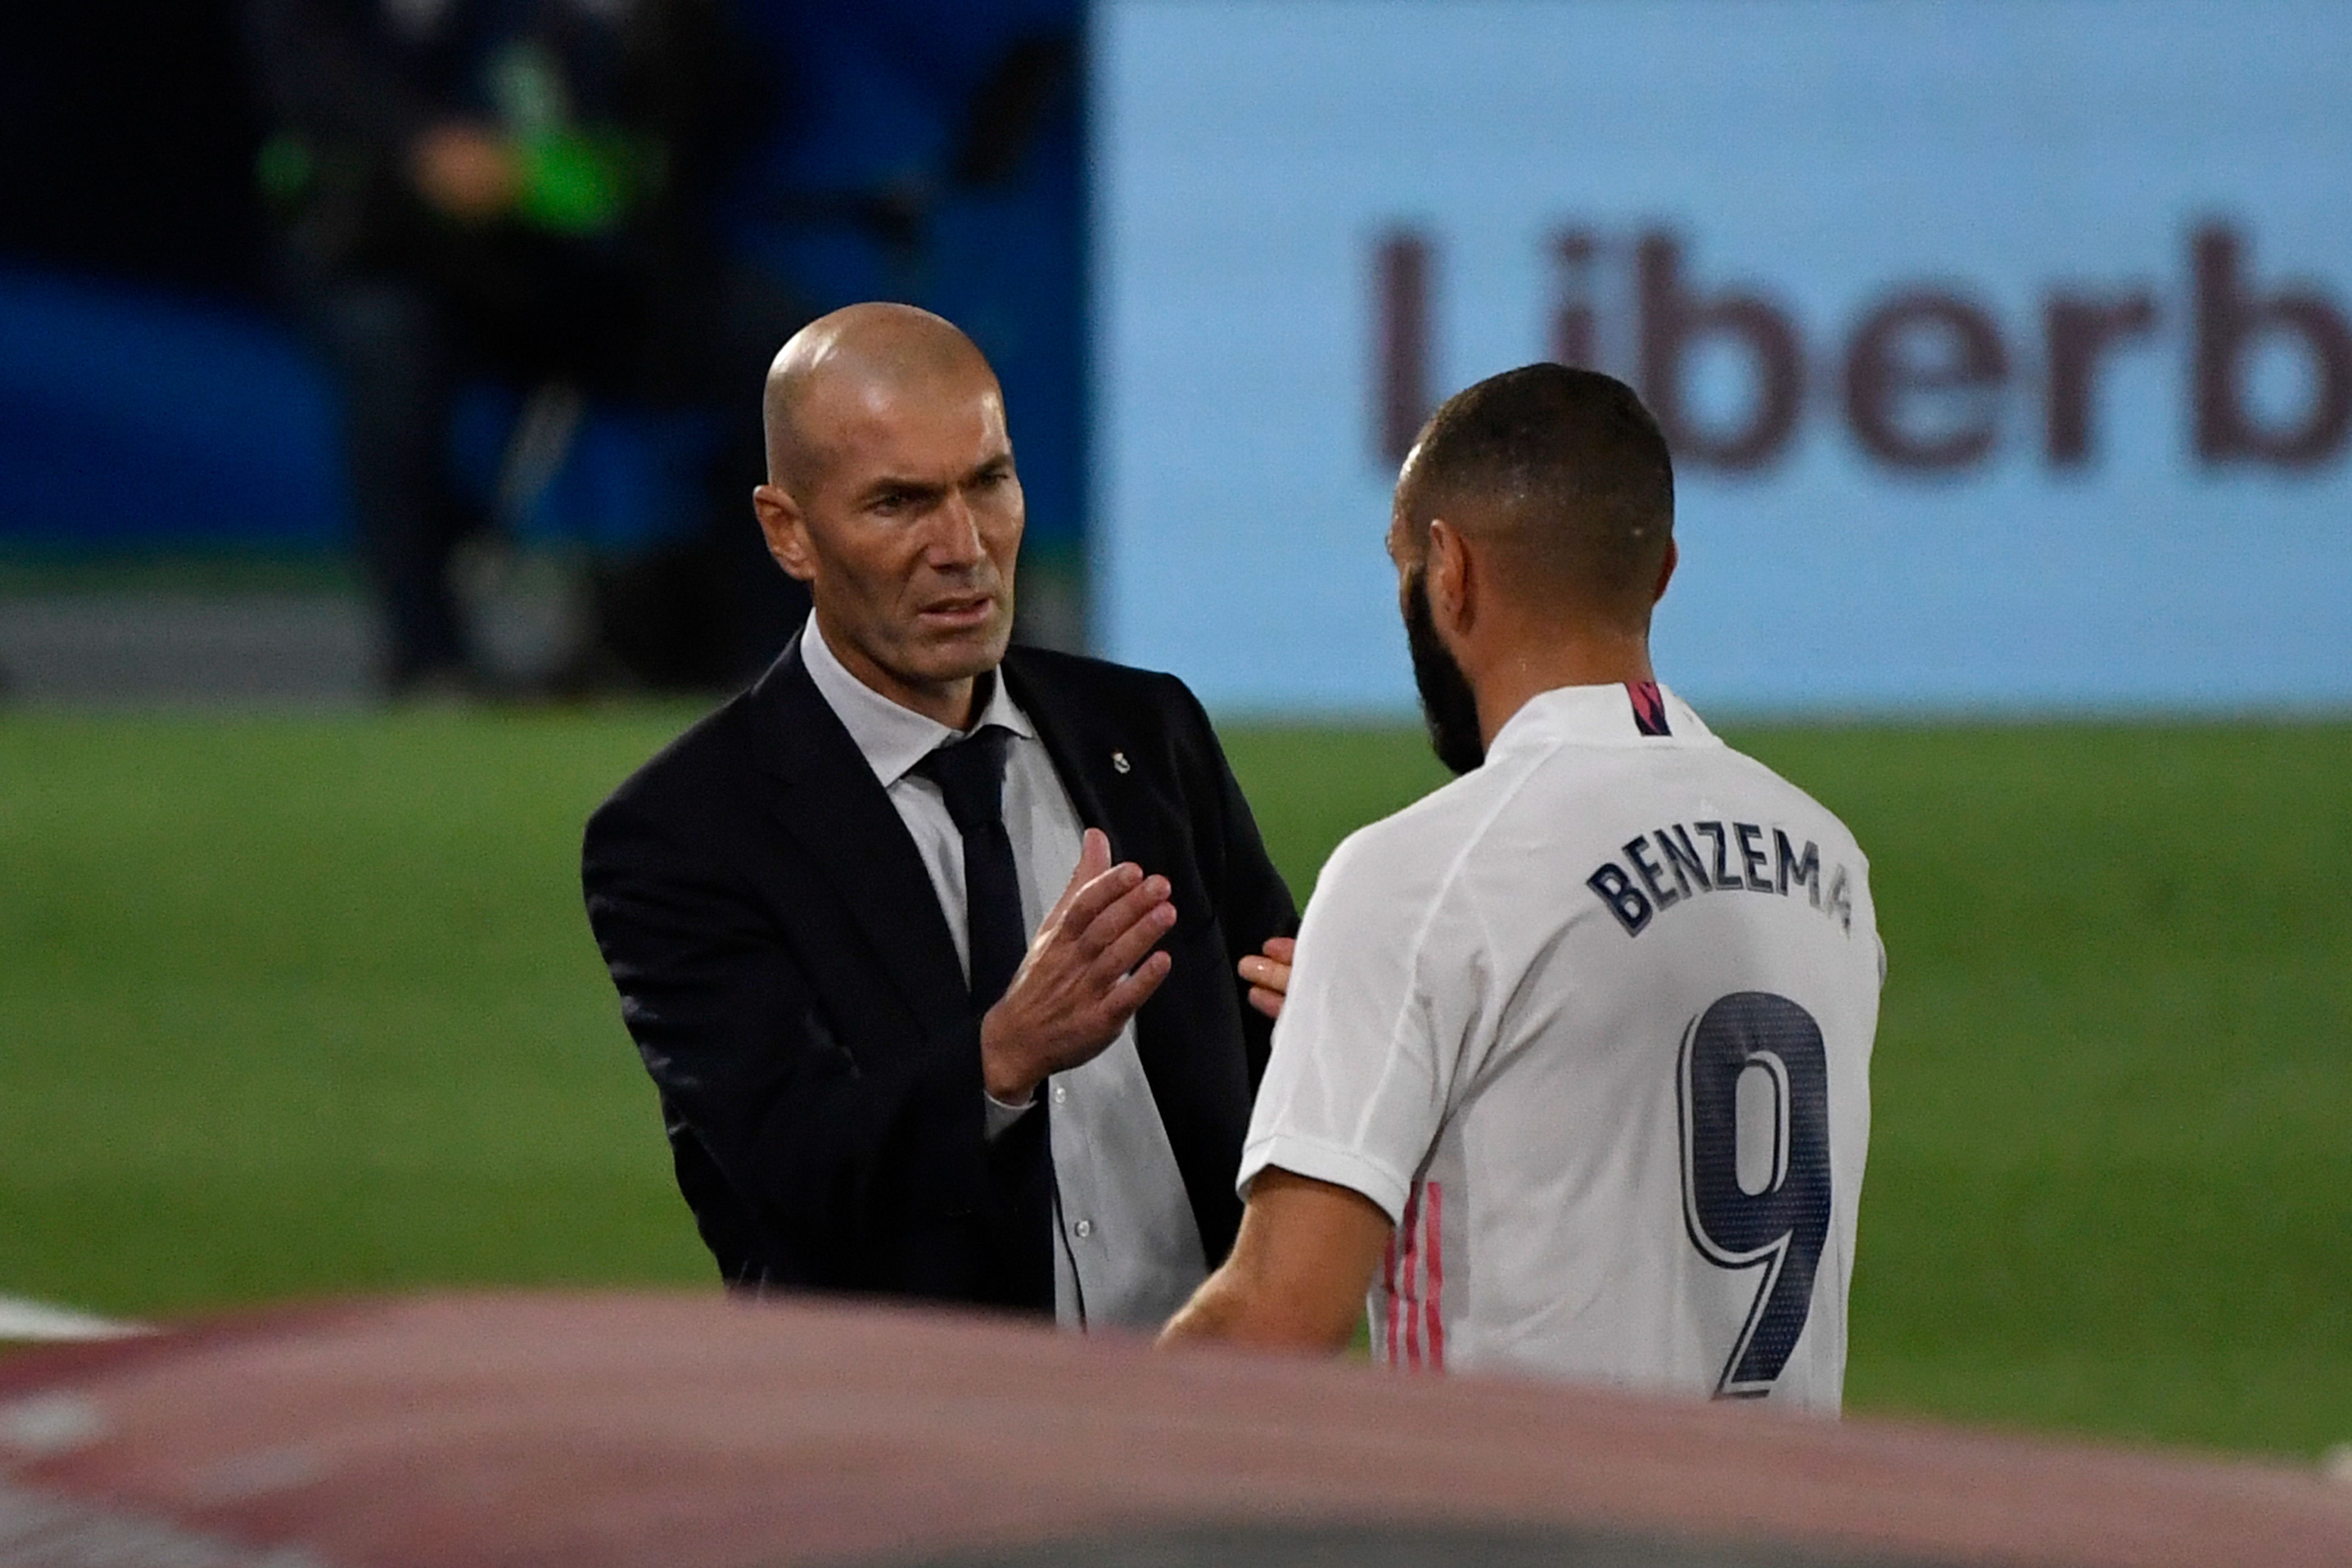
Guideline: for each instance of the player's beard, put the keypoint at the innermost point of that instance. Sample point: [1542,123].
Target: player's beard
[1448,706]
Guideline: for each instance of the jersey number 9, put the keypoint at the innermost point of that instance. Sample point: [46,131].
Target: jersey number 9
[1777,1218]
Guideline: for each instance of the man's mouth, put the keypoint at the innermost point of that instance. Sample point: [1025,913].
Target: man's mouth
[959,611]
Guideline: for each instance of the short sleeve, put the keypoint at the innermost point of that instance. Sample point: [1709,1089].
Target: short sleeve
[1364,1057]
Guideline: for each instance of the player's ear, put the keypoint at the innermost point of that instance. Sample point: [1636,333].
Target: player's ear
[786,531]
[1449,569]
[1666,572]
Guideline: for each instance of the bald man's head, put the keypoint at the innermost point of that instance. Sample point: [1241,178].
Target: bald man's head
[1563,474]
[893,495]
[851,363]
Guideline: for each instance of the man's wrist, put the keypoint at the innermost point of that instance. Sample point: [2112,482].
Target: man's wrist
[1003,1078]
[997,1119]
[1013,1093]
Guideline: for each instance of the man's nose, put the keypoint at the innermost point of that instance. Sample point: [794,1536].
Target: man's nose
[955,533]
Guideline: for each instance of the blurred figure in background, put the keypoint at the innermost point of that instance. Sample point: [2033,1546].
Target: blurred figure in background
[524,188]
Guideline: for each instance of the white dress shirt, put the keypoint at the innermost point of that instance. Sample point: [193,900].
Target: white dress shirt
[1128,1252]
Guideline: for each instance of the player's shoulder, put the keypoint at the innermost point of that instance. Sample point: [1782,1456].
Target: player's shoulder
[1754,779]
[1417,850]
[1689,756]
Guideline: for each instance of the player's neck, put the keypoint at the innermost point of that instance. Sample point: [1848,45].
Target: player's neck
[1527,667]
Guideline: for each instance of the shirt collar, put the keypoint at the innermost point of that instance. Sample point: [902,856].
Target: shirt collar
[890,738]
[1599,716]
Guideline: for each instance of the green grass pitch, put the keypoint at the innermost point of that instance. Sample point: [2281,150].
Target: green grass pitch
[294,1006]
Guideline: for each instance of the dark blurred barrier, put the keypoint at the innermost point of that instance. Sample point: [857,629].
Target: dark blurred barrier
[682,1431]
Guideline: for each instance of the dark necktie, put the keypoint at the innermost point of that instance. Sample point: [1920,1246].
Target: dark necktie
[971,775]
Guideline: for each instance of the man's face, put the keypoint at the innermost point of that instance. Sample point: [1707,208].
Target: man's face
[1448,706]
[912,523]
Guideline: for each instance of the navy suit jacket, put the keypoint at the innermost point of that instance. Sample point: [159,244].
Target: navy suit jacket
[789,980]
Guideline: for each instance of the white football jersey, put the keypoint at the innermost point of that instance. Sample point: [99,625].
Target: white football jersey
[1592,1024]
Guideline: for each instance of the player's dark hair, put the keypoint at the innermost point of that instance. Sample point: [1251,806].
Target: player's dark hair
[1562,467]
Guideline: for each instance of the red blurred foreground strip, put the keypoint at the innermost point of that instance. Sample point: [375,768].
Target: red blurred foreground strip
[457,1431]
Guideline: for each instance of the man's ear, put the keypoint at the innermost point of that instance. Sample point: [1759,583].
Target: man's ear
[786,531]
[1452,573]
[1666,572]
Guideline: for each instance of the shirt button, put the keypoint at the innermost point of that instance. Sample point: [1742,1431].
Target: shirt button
[1085,1228]
[1060,1094]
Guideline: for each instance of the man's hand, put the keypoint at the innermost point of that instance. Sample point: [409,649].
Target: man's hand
[465,170]
[1269,977]
[1090,967]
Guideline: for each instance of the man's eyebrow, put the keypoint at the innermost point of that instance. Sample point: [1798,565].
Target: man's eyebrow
[929,489]
[898,485]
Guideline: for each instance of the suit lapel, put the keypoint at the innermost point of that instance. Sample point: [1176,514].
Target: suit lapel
[830,802]
[1175,1041]
[1082,742]
[1059,727]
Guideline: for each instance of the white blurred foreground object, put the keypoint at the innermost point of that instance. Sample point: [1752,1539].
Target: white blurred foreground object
[23,1319]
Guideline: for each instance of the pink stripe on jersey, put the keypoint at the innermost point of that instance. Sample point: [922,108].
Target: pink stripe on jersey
[1389,1283]
[1436,1276]
[1411,1252]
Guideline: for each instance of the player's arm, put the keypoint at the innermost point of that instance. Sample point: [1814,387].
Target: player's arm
[1298,1270]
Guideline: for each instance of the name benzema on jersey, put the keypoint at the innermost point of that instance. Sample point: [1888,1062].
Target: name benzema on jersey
[1671,864]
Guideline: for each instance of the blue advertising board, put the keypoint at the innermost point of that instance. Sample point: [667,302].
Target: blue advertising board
[2006,348]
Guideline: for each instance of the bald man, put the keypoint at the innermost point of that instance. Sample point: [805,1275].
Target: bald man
[931,943]
[1572,1069]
